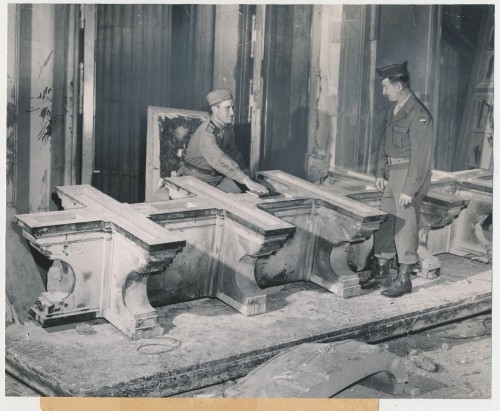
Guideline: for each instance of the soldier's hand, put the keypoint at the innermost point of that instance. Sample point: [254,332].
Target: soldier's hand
[404,200]
[380,183]
[253,186]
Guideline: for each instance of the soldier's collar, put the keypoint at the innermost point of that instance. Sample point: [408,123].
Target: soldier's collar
[405,100]
[220,125]
[408,103]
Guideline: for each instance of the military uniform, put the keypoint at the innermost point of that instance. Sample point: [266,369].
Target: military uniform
[405,160]
[212,157]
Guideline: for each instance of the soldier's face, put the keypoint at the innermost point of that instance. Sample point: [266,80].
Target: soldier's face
[224,112]
[391,90]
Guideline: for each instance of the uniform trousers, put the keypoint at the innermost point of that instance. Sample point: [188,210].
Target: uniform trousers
[228,185]
[399,233]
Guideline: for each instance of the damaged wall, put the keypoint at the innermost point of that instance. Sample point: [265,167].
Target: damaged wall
[226,43]
[418,42]
[36,76]
[323,101]
[357,87]
[41,70]
[343,52]
[12,112]
[335,118]
[347,105]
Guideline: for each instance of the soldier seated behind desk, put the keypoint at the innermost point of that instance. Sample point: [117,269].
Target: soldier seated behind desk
[212,156]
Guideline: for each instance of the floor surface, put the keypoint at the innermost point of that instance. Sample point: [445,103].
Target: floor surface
[206,342]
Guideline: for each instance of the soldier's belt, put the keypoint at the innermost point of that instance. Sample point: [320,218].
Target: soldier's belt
[195,170]
[397,160]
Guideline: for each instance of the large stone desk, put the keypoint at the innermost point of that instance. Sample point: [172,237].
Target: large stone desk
[238,247]
[206,341]
[103,254]
[327,226]
[439,209]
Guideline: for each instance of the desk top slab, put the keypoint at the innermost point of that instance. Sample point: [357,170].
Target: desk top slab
[86,208]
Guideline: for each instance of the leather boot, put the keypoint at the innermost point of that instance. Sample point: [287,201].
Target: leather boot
[402,284]
[379,277]
[416,268]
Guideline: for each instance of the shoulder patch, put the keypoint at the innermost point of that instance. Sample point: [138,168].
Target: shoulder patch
[211,127]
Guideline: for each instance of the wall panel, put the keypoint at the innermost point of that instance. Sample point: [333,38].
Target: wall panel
[286,84]
[145,55]
[132,60]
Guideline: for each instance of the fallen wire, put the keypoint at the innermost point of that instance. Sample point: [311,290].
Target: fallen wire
[167,349]
[464,337]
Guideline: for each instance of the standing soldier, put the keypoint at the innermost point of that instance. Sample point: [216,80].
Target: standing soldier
[403,175]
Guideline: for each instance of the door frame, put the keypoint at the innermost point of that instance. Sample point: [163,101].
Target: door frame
[257,92]
[87,92]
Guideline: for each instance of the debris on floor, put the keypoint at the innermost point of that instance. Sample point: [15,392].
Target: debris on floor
[422,361]
[85,329]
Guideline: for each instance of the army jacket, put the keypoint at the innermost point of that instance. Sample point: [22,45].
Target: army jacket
[408,134]
[212,149]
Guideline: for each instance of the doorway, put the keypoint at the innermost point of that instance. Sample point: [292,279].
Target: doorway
[285,73]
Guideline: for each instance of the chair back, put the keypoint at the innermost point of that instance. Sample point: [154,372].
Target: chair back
[168,134]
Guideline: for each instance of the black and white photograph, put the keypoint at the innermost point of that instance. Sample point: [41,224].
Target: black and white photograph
[250,201]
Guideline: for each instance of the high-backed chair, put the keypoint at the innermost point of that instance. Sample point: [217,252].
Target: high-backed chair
[168,134]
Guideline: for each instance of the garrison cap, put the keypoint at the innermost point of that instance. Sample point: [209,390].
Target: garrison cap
[219,95]
[394,70]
